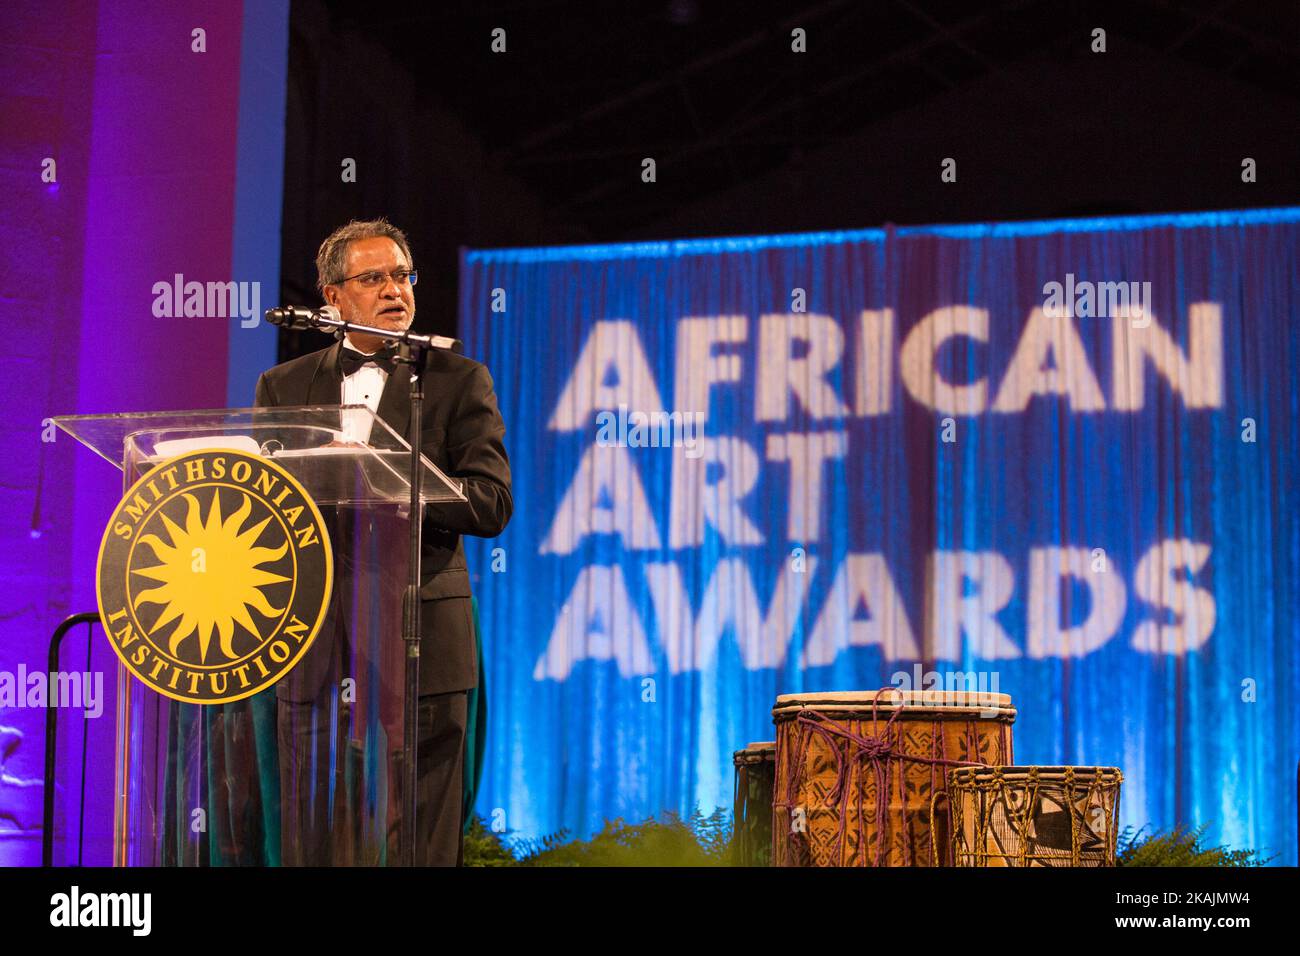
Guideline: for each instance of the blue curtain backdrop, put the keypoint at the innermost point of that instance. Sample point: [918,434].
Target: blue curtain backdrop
[916,451]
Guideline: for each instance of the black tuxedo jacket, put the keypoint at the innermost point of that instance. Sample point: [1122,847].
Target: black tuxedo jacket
[462,434]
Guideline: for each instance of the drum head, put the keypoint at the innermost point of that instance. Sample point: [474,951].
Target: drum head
[1021,773]
[759,752]
[887,700]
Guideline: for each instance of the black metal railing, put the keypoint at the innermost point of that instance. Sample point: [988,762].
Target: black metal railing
[89,618]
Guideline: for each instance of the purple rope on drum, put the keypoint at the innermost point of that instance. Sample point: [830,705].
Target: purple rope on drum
[848,746]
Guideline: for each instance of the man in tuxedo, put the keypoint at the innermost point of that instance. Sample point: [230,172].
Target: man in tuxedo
[365,270]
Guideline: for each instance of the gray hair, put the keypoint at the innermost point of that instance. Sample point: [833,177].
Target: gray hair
[331,258]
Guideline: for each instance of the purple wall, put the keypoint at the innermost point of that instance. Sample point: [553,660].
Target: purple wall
[145,132]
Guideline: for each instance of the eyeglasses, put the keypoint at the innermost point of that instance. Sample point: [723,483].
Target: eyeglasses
[373,280]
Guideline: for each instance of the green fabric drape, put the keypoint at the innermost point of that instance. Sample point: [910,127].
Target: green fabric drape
[475,726]
[234,781]
[238,768]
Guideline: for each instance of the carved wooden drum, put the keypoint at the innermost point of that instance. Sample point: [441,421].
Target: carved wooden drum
[856,770]
[755,769]
[1034,816]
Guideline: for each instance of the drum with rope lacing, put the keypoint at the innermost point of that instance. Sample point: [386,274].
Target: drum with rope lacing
[856,771]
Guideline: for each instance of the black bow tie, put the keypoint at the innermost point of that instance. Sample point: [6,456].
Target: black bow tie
[350,361]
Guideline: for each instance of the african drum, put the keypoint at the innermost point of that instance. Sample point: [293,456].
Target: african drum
[855,771]
[752,840]
[1034,816]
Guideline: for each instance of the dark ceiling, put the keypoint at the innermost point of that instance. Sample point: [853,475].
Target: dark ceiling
[543,144]
[714,93]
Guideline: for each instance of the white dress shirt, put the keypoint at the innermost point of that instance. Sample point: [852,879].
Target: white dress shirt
[362,387]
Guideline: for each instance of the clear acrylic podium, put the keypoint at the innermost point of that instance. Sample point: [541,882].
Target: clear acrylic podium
[308,772]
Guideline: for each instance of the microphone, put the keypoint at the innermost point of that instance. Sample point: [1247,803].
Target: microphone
[301,319]
[295,317]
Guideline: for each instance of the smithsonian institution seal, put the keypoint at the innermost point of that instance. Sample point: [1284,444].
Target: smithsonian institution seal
[214,576]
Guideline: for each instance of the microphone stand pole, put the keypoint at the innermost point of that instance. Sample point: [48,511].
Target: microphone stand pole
[413,351]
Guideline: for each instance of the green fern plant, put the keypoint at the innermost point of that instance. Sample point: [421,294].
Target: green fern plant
[699,840]
[1180,847]
[702,840]
[483,847]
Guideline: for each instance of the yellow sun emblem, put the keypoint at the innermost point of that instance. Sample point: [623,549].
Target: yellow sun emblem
[203,552]
[214,544]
